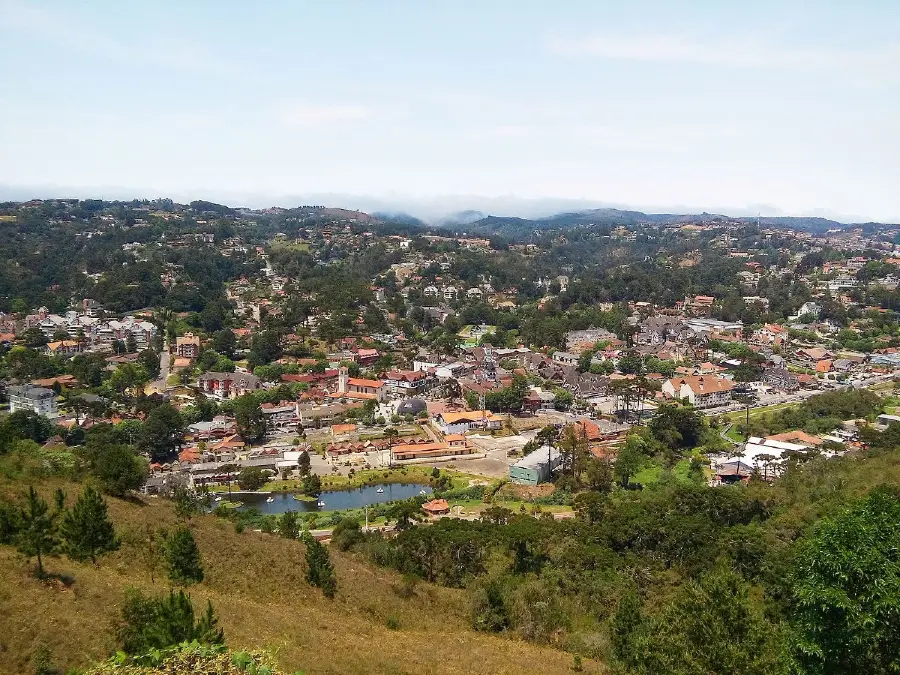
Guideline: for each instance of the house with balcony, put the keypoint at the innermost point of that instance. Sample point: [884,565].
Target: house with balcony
[187,346]
[701,391]
[407,382]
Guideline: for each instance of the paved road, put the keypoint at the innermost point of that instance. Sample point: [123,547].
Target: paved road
[165,361]
[724,434]
[777,399]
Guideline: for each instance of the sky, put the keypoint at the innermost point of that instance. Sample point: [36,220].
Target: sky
[516,108]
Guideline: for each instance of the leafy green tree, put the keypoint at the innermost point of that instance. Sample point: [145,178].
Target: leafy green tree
[161,432]
[37,531]
[406,513]
[24,424]
[118,470]
[288,525]
[225,342]
[156,623]
[265,348]
[10,523]
[86,529]
[711,626]
[312,485]
[248,418]
[183,557]
[187,502]
[319,569]
[630,363]
[590,506]
[677,427]
[628,462]
[252,478]
[846,590]
[149,359]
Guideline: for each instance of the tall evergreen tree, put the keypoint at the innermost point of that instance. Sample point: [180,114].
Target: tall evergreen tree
[86,530]
[288,526]
[183,557]
[37,534]
[319,569]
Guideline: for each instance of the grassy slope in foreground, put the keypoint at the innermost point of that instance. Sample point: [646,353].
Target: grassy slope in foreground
[256,583]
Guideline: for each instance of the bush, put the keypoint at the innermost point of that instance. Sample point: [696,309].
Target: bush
[393,623]
[252,478]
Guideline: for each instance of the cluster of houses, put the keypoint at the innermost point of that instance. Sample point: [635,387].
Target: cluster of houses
[87,330]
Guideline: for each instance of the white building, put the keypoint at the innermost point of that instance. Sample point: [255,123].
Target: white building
[701,391]
[38,400]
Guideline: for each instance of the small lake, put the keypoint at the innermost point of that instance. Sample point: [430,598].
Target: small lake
[334,501]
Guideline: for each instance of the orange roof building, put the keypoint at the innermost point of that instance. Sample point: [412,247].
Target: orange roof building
[436,507]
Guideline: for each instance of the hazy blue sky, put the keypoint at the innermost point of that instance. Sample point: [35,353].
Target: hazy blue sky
[774,106]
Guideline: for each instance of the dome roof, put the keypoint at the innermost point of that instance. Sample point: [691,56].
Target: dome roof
[411,406]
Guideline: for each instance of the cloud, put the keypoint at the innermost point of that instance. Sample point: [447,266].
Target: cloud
[304,115]
[742,52]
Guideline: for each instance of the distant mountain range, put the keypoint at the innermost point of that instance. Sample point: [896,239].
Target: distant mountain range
[608,216]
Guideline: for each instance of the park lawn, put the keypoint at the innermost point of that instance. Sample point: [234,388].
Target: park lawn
[734,435]
[516,506]
[650,475]
[741,415]
[301,246]
[409,474]
[173,380]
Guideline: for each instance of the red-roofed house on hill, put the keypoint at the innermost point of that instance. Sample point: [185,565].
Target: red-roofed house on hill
[359,388]
[701,391]
[366,357]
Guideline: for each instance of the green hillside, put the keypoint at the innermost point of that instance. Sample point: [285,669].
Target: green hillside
[256,583]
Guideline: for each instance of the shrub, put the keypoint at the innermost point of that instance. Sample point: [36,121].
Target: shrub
[156,623]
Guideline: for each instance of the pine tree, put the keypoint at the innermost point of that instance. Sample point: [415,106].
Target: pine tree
[86,529]
[288,526]
[183,557]
[37,534]
[303,464]
[319,570]
[156,623]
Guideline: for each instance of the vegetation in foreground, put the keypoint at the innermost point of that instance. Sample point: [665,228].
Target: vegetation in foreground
[260,594]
